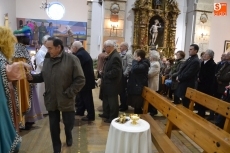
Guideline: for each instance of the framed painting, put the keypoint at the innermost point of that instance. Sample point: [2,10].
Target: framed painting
[227,46]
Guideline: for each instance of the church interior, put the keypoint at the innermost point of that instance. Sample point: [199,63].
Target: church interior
[166,26]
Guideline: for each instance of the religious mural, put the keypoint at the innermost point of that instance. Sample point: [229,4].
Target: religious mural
[68,31]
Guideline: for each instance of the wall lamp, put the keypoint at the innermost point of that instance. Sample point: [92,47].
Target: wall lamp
[203,34]
[115,8]
[114,26]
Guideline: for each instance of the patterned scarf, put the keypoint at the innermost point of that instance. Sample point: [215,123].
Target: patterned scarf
[4,62]
[22,52]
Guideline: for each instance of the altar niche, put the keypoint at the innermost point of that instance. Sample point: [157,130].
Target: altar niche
[156,31]
[155,25]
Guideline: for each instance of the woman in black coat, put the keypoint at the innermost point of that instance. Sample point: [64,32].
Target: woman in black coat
[138,78]
[206,78]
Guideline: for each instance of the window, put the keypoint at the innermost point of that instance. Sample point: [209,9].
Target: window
[56,11]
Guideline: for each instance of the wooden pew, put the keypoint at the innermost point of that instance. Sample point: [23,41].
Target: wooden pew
[219,106]
[208,136]
[161,141]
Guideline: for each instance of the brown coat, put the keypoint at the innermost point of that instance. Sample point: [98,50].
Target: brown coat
[64,78]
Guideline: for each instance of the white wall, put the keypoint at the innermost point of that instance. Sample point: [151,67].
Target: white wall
[96,30]
[219,32]
[8,6]
[129,22]
[181,25]
[76,10]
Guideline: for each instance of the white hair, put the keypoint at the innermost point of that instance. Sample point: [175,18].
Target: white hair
[110,43]
[44,39]
[210,53]
[154,55]
[125,44]
[77,44]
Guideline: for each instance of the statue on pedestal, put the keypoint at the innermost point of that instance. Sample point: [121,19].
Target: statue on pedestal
[154,31]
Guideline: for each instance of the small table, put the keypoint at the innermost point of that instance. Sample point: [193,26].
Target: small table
[129,138]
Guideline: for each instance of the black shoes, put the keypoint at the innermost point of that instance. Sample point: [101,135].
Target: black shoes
[69,142]
[87,119]
[102,116]
[107,121]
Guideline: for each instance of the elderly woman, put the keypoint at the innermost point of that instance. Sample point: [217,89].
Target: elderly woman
[153,75]
[154,70]
[206,78]
[138,78]
[174,72]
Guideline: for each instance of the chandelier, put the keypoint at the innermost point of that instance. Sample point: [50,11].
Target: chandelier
[45,5]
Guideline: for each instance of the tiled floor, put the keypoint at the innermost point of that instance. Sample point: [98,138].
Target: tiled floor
[89,137]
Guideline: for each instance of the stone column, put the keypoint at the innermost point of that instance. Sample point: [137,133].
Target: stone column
[196,31]
[89,3]
[94,28]
[204,8]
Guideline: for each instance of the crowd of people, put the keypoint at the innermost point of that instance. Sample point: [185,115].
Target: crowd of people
[62,83]
[202,74]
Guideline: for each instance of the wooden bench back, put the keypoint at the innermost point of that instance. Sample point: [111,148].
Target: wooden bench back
[217,105]
[205,134]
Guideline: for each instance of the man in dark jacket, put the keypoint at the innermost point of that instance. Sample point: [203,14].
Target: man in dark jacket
[64,78]
[187,75]
[223,75]
[215,85]
[206,78]
[223,79]
[85,100]
[111,82]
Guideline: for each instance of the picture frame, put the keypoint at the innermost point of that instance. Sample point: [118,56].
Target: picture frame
[227,46]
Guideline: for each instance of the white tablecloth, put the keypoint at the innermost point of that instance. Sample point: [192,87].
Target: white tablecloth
[129,138]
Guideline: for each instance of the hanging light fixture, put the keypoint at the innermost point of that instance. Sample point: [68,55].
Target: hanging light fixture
[45,5]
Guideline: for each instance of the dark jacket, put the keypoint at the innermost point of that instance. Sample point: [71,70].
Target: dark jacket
[187,75]
[111,75]
[87,67]
[219,65]
[223,77]
[138,77]
[64,78]
[206,77]
[174,72]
